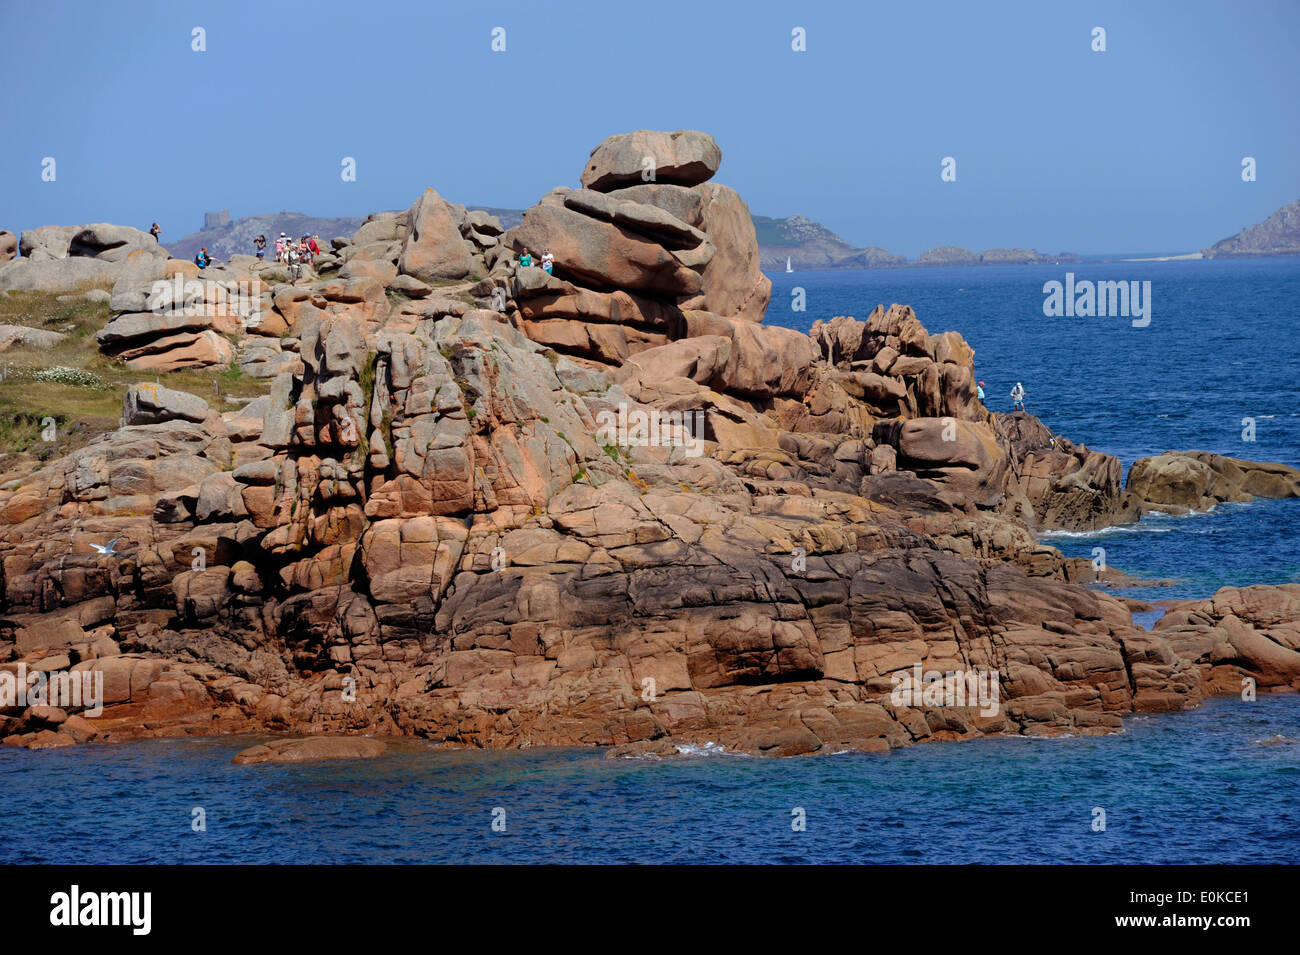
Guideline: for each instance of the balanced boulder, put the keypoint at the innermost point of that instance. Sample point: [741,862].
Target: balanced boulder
[685,158]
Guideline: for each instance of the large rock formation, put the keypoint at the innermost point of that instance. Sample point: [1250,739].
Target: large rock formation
[578,509]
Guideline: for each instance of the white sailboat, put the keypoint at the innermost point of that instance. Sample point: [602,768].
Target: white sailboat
[787,264]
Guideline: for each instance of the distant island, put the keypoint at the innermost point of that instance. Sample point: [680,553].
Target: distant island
[810,245]
[1279,234]
[798,240]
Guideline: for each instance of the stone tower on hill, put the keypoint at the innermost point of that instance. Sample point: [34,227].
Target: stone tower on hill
[215,220]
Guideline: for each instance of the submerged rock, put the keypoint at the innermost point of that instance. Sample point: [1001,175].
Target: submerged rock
[311,749]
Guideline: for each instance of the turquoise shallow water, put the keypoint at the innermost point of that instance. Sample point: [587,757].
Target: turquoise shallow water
[1218,784]
[1214,785]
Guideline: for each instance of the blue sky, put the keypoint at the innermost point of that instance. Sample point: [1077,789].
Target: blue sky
[1057,147]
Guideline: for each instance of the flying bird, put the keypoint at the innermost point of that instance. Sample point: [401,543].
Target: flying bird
[108,548]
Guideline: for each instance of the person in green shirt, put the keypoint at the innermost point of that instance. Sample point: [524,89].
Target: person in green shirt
[525,259]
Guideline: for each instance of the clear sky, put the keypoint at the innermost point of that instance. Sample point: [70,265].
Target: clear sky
[1058,147]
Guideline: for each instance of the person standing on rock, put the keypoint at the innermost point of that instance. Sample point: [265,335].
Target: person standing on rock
[548,261]
[259,246]
[1018,396]
[980,391]
[155,232]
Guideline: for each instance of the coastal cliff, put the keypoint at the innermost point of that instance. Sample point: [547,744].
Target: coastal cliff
[489,505]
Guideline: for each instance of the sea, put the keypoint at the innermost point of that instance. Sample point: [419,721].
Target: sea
[1216,369]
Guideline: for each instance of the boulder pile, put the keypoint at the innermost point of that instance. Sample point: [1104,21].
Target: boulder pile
[645,247]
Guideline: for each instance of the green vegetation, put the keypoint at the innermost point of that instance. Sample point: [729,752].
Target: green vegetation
[73,382]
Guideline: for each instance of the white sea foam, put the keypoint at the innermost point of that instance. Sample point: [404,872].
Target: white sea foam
[705,749]
[1104,532]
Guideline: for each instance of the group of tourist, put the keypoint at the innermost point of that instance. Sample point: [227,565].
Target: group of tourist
[288,251]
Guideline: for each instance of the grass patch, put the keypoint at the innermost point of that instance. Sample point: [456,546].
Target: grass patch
[77,385]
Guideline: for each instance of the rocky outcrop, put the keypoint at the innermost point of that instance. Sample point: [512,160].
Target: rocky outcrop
[67,258]
[576,509]
[1179,481]
[8,246]
[1055,483]
[1240,637]
[165,317]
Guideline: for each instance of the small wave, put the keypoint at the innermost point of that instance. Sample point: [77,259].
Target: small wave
[704,749]
[1276,740]
[1104,532]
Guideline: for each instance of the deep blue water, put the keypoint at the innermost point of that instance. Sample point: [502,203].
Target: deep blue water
[1223,345]
[1214,785]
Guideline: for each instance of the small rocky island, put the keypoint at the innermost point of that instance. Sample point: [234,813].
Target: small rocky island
[421,524]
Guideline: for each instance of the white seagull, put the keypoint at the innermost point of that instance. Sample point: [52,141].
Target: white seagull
[108,548]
